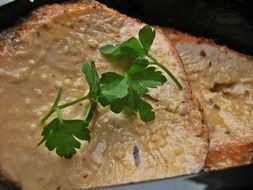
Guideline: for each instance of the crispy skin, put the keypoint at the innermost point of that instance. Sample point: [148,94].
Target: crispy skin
[222,80]
[46,52]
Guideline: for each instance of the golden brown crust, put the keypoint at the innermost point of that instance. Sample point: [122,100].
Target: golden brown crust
[237,153]
[50,12]
[175,36]
[42,15]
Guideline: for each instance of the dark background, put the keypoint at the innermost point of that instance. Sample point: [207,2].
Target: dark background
[228,22]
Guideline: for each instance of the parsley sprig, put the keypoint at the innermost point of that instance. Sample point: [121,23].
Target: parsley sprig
[119,91]
[134,48]
[61,134]
[126,91]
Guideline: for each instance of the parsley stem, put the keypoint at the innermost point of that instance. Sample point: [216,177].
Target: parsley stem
[58,111]
[55,106]
[47,115]
[58,97]
[56,102]
[73,102]
[89,112]
[155,62]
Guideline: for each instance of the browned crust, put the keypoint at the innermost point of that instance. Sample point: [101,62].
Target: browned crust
[237,153]
[44,14]
[175,36]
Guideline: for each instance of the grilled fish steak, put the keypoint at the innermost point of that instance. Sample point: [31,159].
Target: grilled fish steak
[222,80]
[45,52]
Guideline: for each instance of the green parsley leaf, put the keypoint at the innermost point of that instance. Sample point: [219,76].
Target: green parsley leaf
[145,111]
[111,51]
[146,36]
[135,104]
[92,77]
[61,135]
[132,48]
[130,102]
[142,77]
[127,50]
[138,65]
[108,49]
[113,86]
[123,92]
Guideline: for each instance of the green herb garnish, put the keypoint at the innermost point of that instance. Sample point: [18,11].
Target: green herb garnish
[120,92]
[62,134]
[134,48]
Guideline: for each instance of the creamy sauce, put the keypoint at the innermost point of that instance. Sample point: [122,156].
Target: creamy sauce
[33,66]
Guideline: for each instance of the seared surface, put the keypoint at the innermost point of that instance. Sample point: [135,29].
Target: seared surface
[46,53]
[222,80]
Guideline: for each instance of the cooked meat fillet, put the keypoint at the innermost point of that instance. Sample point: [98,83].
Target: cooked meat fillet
[222,80]
[44,53]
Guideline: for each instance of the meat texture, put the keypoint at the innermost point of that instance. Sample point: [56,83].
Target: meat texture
[222,80]
[44,53]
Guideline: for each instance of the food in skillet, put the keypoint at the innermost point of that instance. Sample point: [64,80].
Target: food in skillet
[46,53]
[222,80]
